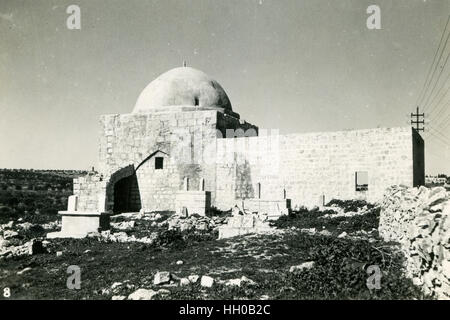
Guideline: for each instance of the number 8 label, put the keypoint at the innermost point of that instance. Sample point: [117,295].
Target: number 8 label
[6,293]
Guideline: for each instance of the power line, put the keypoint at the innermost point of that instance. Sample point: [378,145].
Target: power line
[435,146]
[440,132]
[440,100]
[431,66]
[435,68]
[437,94]
[444,121]
[442,113]
[436,132]
[439,76]
[446,143]
[435,115]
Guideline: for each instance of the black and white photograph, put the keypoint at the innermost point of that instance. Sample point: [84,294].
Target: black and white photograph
[226,151]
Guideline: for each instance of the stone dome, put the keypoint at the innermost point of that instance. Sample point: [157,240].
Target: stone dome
[182,86]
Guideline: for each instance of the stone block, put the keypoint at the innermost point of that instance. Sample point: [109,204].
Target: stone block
[161,277]
[77,224]
[207,281]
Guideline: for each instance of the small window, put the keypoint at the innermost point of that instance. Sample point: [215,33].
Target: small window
[196,101]
[362,180]
[159,163]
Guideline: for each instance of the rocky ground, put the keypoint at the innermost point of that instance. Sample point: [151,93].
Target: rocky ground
[315,254]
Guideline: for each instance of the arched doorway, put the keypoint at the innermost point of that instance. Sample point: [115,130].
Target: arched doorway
[126,195]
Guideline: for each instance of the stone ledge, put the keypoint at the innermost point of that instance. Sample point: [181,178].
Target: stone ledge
[82,213]
[60,234]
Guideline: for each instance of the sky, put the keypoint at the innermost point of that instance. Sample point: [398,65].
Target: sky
[292,65]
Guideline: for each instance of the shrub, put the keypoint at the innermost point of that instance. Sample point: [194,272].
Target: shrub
[350,205]
[178,239]
[316,219]
[169,237]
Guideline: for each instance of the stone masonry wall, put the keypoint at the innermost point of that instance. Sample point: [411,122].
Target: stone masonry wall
[186,139]
[88,188]
[303,167]
[419,219]
[157,186]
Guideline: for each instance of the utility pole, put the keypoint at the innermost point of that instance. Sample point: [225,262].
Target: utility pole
[418,122]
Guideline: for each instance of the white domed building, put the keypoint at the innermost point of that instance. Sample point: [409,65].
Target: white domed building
[183,86]
[164,147]
[184,148]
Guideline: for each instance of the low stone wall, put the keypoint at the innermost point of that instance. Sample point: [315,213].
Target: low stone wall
[419,219]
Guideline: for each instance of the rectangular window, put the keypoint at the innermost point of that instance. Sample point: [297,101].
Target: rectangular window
[159,163]
[362,180]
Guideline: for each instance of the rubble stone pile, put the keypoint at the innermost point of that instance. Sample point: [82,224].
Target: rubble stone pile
[126,222]
[419,219]
[122,237]
[201,223]
[14,244]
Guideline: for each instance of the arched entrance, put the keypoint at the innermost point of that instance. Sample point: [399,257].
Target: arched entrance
[126,195]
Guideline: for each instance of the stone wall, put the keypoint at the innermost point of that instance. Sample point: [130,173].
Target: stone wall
[184,137]
[303,167]
[185,140]
[419,219]
[88,188]
[300,167]
[130,138]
